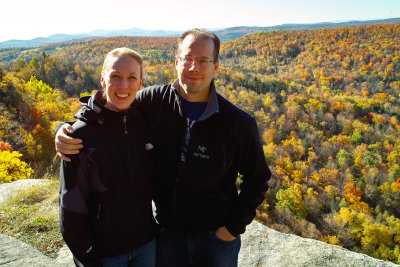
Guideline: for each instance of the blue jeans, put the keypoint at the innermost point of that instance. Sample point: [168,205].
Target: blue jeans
[180,249]
[145,256]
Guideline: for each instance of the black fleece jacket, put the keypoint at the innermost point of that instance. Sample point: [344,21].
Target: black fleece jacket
[201,195]
[106,190]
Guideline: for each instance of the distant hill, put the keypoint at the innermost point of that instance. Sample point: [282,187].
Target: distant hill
[223,34]
[237,32]
[41,40]
[96,34]
[91,50]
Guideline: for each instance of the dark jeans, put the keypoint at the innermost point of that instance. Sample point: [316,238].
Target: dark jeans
[145,256]
[179,249]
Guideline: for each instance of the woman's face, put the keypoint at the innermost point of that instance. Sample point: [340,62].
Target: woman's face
[121,80]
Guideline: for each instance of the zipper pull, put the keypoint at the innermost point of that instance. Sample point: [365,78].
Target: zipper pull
[98,211]
[174,200]
[124,120]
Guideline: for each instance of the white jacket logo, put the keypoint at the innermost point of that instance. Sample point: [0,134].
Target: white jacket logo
[202,148]
[201,152]
[149,146]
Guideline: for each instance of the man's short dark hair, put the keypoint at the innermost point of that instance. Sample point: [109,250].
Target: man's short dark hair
[201,34]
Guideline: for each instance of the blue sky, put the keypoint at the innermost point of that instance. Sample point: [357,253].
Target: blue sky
[27,19]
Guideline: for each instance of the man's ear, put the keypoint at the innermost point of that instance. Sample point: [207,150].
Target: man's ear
[216,65]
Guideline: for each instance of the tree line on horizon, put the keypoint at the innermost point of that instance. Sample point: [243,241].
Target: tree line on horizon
[327,104]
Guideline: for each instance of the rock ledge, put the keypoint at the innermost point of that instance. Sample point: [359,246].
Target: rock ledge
[261,246]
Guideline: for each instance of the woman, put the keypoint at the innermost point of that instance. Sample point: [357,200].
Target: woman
[105,191]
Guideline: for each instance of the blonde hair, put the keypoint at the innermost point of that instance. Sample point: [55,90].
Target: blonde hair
[123,51]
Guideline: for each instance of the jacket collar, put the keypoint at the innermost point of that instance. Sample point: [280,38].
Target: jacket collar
[212,102]
[94,109]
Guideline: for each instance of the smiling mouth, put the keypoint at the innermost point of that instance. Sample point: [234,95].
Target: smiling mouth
[122,95]
[194,78]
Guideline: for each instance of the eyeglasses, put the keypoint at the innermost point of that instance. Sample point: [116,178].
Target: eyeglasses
[202,62]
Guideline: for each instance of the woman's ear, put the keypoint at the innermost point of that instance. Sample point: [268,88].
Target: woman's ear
[103,81]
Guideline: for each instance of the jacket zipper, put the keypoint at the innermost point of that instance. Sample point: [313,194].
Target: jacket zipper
[181,166]
[124,121]
[98,211]
[185,162]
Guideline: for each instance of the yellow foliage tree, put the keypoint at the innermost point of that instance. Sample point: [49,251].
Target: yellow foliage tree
[353,219]
[292,199]
[332,239]
[294,147]
[12,168]
[376,237]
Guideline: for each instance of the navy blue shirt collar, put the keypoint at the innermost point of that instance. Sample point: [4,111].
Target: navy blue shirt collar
[212,102]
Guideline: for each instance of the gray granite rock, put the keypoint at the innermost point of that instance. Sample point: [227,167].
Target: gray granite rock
[16,253]
[64,257]
[262,246]
[8,190]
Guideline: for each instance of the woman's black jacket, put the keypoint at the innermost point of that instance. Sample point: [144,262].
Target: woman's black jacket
[106,190]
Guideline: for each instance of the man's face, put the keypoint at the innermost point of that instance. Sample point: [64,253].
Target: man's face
[195,74]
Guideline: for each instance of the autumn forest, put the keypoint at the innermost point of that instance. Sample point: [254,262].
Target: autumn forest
[327,104]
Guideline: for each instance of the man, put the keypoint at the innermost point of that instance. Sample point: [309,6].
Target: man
[201,142]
